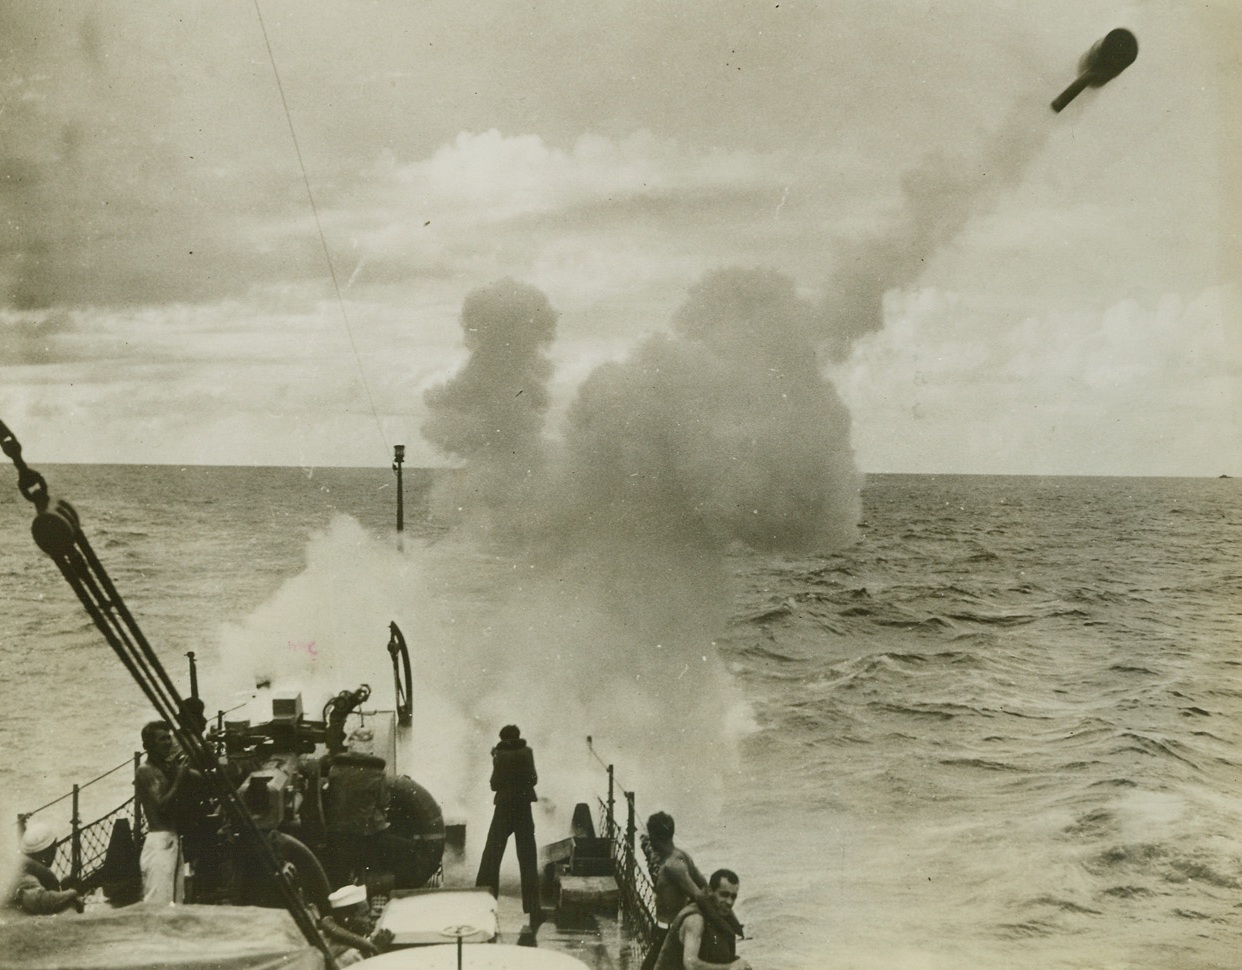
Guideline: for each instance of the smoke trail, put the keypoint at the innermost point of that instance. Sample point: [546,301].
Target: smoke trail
[938,199]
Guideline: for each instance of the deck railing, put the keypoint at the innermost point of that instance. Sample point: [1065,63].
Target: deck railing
[637,894]
[80,856]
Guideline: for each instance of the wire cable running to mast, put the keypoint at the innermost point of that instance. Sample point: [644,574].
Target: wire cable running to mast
[327,255]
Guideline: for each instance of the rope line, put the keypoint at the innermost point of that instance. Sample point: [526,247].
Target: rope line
[327,255]
[621,787]
[111,771]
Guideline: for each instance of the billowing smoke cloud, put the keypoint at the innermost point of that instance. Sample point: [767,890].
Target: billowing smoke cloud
[938,199]
[723,432]
[718,433]
[491,414]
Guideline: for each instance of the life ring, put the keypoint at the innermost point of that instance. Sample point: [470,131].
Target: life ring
[414,815]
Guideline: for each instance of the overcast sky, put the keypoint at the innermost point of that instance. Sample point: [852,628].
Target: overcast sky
[995,288]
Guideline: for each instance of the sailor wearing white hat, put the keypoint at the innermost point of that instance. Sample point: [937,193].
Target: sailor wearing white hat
[37,839]
[349,926]
[348,897]
[37,891]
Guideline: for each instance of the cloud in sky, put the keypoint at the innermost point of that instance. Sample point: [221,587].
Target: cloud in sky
[161,268]
[1138,386]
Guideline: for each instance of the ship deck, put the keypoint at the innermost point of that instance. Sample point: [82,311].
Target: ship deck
[598,941]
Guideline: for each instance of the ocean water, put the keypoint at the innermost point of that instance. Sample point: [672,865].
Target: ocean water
[1000,729]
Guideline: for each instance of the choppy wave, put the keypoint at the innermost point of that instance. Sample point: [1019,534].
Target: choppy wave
[1001,729]
[1013,691]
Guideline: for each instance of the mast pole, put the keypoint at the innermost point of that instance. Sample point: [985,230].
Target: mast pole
[398,458]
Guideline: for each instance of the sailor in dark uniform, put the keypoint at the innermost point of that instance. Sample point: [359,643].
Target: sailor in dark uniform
[359,834]
[513,780]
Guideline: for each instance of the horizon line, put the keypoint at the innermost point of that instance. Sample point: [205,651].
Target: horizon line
[442,468]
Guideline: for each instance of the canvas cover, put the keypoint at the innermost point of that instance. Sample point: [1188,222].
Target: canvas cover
[147,937]
[421,917]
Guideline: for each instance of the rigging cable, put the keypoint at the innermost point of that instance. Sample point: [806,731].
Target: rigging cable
[57,531]
[327,255]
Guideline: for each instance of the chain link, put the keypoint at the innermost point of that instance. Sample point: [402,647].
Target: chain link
[29,482]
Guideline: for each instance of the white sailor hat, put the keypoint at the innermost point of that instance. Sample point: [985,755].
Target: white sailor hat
[348,896]
[37,837]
